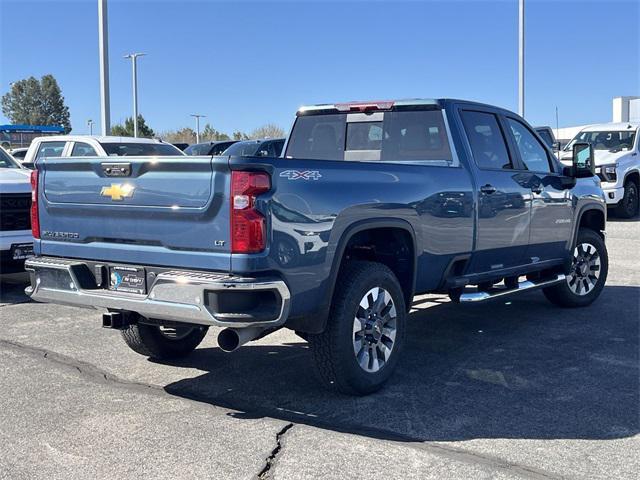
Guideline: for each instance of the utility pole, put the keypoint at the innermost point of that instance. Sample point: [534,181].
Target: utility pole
[134,72]
[103,43]
[90,124]
[198,117]
[521,58]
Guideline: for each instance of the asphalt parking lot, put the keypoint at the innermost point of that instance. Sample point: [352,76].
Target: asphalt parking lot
[513,389]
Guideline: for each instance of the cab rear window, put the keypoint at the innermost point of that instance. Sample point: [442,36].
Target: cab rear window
[402,136]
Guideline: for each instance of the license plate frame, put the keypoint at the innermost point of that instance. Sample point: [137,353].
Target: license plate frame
[128,279]
[21,251]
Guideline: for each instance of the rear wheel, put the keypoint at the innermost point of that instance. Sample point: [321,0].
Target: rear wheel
[588,274]
[359,349]
[628,206]
[163,342]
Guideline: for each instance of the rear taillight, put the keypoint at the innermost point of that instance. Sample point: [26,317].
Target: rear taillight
[35,219]
[248,232]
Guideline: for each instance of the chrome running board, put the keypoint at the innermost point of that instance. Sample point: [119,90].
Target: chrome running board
[475,297]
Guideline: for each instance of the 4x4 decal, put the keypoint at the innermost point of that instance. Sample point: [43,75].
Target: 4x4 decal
[301,174]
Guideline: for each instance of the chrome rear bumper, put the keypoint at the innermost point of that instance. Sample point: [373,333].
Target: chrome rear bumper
[175,295]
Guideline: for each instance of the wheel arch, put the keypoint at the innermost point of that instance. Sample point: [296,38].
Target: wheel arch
[316,322]
[634,176]
[387,228]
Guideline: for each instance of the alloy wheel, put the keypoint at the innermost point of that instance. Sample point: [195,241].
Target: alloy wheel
[585,269]
[374,329]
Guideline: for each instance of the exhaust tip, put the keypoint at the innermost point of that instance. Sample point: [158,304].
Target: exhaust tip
[228,340]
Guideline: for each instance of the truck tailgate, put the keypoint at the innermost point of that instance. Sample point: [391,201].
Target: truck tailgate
[166,211]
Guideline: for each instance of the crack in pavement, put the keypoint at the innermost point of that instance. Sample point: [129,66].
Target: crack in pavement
[88,370]
[270,462]
[10,304]
[235,406]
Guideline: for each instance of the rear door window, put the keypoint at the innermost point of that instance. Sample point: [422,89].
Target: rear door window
[546,136]
[486,140]
[50,149]
[81,149]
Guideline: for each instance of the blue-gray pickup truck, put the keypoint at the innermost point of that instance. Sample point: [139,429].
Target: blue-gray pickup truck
[370,204]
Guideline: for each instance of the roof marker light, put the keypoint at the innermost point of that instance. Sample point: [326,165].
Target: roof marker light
[365,106]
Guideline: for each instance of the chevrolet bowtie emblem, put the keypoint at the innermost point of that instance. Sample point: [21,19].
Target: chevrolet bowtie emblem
[118,191]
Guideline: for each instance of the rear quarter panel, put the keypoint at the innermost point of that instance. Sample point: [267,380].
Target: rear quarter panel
[314,206]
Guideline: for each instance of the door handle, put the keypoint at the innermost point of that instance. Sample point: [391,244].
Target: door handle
[488,189]
[538,189]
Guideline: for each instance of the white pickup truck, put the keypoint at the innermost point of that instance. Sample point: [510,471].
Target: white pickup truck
[96,146]
[616,149]
[16,241]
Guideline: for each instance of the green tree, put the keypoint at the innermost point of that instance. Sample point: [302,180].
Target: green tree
[238,135]
[126,130]
[36,102]
[210,134]
[269,130]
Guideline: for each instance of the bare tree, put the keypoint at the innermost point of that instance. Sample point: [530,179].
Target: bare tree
[182,135]
[269,130]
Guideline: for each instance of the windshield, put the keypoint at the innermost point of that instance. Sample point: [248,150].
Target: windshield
[6,161]
[243,149]
[614,141]
[546,136]
[140,149]
[198,149]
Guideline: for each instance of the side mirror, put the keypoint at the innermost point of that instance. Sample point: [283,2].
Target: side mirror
[557,146]
[583,163]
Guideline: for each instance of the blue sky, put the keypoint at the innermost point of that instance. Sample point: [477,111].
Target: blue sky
[244,64]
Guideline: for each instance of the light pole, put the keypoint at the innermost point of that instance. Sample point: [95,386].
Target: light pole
[90,124]
[103,46]
[521,58]
[198,117]
[134,71]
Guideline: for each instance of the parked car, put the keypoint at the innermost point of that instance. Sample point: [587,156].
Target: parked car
[256,148]
[96,146]
[181,146]
[19,153]
[546,134]
[388,195]
[16,242]
[617,156]
[209,148]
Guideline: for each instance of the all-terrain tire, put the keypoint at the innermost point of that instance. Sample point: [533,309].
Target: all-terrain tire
[337,364]
[569,294]
[628,206]
[150,341]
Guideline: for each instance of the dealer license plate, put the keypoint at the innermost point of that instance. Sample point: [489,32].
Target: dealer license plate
[127,279]
[21,251]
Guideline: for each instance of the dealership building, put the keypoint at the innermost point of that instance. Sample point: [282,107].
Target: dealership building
[624,109]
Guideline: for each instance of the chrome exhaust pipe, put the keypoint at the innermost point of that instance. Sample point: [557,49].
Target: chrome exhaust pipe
[231,339]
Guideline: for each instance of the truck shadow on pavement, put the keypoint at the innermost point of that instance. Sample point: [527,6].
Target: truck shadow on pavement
[516,369]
